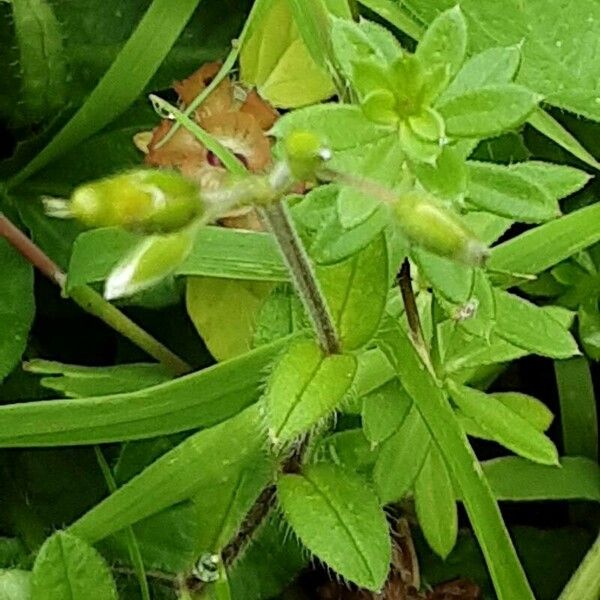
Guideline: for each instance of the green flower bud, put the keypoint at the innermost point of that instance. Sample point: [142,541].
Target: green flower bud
[150,201]
[305,153]
[428,224]
[153,259]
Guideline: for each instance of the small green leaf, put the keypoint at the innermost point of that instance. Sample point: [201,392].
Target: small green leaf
[517,479]
[346,285]
[446,179]
[401,457]
[16,306]
[504,425]
[488,111]
[524,324]
[506,192]
[445,42]
[153,259]
[273,50]
[384,410]
[66,567]
[224,311]
[349,449]
[15,584]
[339,519]
[589,328]
[305,387]
[495,66]
[435,503]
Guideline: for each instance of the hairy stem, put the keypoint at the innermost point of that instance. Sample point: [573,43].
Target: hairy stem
[290,245]
[404,280]
[89,300]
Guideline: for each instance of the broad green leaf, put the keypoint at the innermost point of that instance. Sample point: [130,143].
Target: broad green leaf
[578,411]
[384,410]
[534,411]
[338,518]
[504,567]
[509,193]
[516,479]
[486,226]
[198,400]
[547,245]
[452,280]
[487,111]
[555,63]
[150,262]
[558,181]
[496,66]
[349,449]
[524,324]
[119,86]
[305,387]
[83,382]
[224,451]
[435,503]
[224,311]
[273,50]
[504,425]
[217,252]
[17,306]
[401,458]
[356,291]
[268,565]
[15,584]
[42,60]
[66,567]
[445,42]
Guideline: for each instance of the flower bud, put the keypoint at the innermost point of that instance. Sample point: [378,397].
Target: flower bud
[148,201]
[435,228]
[305,154]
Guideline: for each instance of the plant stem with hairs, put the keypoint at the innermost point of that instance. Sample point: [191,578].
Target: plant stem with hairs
[89,300]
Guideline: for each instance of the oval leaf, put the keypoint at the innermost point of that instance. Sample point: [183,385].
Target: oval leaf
[338,518]
[305,387]
[504,425]
[66,567]
[384,410]
[435,503]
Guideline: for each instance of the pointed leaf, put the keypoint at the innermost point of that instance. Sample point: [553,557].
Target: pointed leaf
[558,181]
[66,567]
[504,425]
[435,503]
[384,410]
[488,111]
[305,387]
[338,518]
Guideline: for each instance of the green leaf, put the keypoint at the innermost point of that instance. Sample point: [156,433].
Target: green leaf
[487,111]
[16,306]
[504,425]
[15,584]
[446,179]
[506,192]
[435,503]
[578,412]
[217,252]
[558,181]
[384,410]
[445,42]
[396,14]
[41,61]
[589,328]
[198,400]
[585,582]
[556,62]
[547,245]
[534,411]
[224,311]
[273,50]
[338,518]
[305,387]
[119,86]
[66,567]
[524,324]
[401,458]
[226,451]
[496,66]
[504,567]
[349,449]
[517,479]
[346,285]
[80,382]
